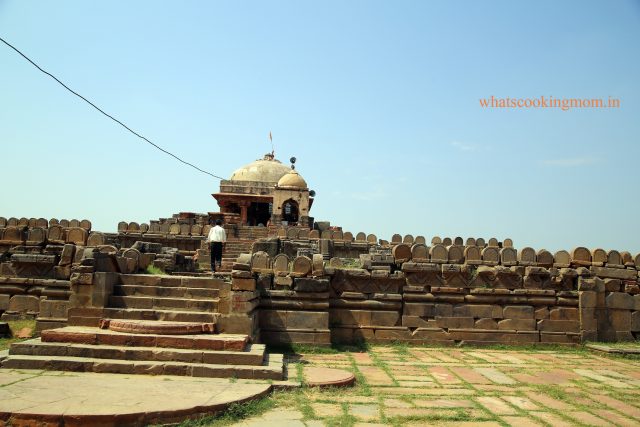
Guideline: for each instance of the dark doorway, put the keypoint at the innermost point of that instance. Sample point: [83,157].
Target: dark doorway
[258,213]
[290,212]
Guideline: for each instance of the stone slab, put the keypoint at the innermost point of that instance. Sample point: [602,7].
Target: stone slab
[30,397]
[157,327]
[327,377]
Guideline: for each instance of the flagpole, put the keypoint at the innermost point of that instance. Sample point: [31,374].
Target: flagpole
[271,139]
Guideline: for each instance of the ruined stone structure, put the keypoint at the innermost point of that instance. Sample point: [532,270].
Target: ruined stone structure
[289,280]
[323,286]
[407,291]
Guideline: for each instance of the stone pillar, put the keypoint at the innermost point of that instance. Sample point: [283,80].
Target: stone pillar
[244,205]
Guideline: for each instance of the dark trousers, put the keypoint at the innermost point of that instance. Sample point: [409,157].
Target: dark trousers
[216,255]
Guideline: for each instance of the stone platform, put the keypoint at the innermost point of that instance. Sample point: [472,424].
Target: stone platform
[33,397]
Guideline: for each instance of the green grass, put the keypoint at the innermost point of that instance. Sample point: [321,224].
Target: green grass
[154,270]
[234,413]
[618,345]
[15,326]
[315,349]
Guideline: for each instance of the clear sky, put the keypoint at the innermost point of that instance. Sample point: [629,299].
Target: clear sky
[378,100]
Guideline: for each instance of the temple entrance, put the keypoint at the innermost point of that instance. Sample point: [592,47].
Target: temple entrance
[290,212]
[258,213]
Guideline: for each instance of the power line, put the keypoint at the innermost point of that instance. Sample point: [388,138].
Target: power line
[106,114]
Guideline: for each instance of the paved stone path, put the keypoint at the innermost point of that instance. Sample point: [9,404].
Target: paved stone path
[114,399]
[412,386]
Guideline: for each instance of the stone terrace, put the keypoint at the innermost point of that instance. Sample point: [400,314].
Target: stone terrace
[415,386]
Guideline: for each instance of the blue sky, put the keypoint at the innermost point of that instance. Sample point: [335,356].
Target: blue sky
[379,101]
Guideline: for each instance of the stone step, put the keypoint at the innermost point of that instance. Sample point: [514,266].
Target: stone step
[148,303]
[96,336]
[163,291]
[171,281]
[272,369]
[92,316]
[254,354]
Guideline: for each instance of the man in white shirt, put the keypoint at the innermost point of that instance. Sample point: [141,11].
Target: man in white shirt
[217,238]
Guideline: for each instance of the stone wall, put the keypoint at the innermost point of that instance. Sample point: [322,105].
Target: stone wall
[447,294]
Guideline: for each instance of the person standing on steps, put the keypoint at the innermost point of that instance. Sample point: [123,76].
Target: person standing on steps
[217,239]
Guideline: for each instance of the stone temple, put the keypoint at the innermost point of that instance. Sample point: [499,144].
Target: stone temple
[288,279]
[265,192]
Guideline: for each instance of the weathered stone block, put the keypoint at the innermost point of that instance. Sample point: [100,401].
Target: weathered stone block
[635,321]
[587,299]
[486,324]
[24,304]
[392,334]
[620,320]
[81,278]
[67,254]
[419,309]
[385,318]
[541,313]
[455,322]
[612,285]
[588,320]
[307,284]
[478,310]
[241,274]
[620,300]
[307,320]
[347,317]
[517,324]
[624,336]
[496,336]
[560,338]
[432,334]
[4,302]
[56,309]
[564,313]
[615,273]
[417,322]
[518,312]
[283,281]
[548,325]
[237,324]
[238,284]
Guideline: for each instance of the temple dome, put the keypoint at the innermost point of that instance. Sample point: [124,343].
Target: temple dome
[267,170]
[292,180]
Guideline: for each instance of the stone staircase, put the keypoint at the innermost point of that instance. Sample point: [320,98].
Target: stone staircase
[158,325]
[232,251]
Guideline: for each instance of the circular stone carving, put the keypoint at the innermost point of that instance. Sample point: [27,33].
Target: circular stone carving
[157,327]
[328,377]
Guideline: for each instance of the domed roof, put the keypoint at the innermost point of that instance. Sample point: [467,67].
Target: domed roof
[292,180]
[267,169]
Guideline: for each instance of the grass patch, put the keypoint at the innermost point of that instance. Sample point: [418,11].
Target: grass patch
[618,345]
[15,326]
[361,386]
[315,349]
[154,270]
[234,413]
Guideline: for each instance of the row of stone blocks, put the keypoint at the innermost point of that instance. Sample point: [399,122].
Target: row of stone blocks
[164,228]
[44,223]
[509,256]
[347,236]
[55,234]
